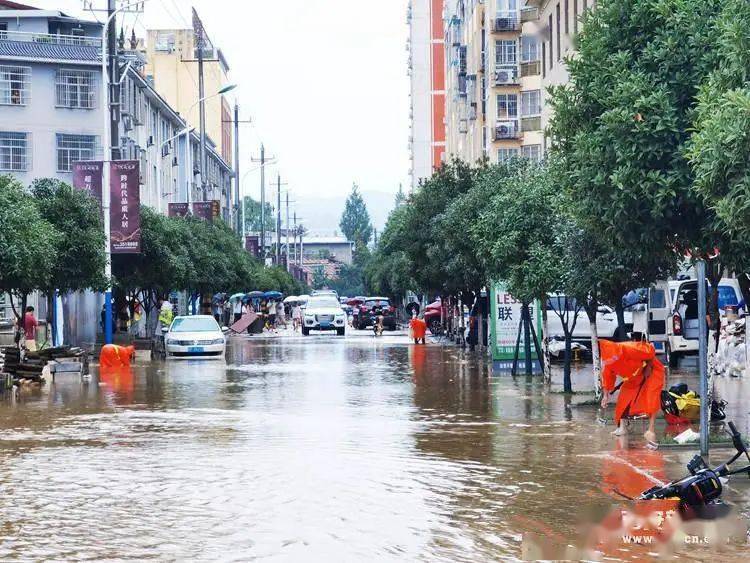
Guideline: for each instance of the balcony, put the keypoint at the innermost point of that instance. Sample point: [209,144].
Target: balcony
[506,75]
[506,130]
[50,47]
[506,22]
[529,14]
[531,123]
[531,68]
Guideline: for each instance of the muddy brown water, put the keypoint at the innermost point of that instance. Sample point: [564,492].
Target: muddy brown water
[319,449]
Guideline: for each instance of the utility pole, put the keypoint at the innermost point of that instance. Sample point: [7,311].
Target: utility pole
[294,234]
[263,203]
[278,219]
[200,39]
[287,232]
[238,200]
[114,83]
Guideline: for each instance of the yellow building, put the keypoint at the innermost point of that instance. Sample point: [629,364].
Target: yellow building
[494,97]
[173,68]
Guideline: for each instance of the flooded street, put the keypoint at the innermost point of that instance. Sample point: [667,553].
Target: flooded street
[313,449]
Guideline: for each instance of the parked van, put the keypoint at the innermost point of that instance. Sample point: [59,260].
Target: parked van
[606,320]
[672,315]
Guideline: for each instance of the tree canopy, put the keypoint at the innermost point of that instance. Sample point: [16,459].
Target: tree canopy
[355,220]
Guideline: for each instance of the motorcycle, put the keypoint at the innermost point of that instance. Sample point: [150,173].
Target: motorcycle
[699,494]
[377,326]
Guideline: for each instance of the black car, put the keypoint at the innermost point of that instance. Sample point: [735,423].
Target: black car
[374,307]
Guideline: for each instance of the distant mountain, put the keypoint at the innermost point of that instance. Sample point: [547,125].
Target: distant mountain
[321,215]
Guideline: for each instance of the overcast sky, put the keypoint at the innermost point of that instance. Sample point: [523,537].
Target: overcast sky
[324,82]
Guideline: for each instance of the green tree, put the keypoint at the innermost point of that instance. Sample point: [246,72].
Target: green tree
[79,254]
[27,243]
[253,216]
[355,220]
[400,198]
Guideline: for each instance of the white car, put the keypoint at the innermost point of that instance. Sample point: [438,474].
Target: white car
[324,312]
[195,336]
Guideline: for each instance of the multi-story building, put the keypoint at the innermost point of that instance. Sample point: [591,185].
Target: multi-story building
[427,94]
[493,77]
[51,116]
[172,67]
[558,23]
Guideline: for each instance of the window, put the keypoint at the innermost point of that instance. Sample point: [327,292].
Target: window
[505,52]
[3,29]
[584,5]
[575,16]
[567,17]
[75,89]
[531,103]
[551,49]
[532,152]
[557,31]
[14,151]
[73,148]
[165,41]
[544,60]
[506,154]
[507,106]
[529,49]
[15,85]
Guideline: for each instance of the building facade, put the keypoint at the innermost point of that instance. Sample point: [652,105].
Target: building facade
[51,115]
[172,67]
[426,69]
[494,83]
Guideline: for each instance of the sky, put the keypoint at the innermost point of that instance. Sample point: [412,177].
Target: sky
[323,81]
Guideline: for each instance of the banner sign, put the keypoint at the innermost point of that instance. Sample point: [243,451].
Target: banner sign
[179,209]
[87,176]
[207,210]
[252,245]
[125,207]
[505,323]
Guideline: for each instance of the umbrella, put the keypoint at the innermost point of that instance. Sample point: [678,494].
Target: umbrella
[273,295]
[303,298]
[255,295]
[219,297]
[237,296]
[291,299]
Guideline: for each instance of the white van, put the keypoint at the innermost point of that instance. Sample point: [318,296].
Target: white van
[606,320]
[672,315]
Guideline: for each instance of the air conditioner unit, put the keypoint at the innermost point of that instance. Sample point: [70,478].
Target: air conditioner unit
[504,24]
[505,76]
[505,130]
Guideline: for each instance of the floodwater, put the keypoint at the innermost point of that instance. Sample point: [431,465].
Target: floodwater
[320,448]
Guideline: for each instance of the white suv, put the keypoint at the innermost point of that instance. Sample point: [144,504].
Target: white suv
[324,312]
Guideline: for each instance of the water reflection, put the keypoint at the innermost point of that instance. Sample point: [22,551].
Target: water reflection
[355,449]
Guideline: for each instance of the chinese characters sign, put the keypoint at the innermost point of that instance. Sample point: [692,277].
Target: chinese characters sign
[207,210]
[506,323]
[125,207]
[179,209]
[252,245]
[87,176]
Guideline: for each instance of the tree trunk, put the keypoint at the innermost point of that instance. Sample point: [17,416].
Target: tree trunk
[714,277]
[545,346]
[620,311]
[592,310]
[567,383]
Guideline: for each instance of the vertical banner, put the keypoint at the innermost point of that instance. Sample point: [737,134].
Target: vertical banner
[505,323]
[179,209]
[125,207]
[252,245]
[207,210]
[87,176]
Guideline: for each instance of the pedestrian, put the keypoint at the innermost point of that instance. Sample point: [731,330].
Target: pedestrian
[280,314]
[271,314]
[642,382]
[30,325]
[237,309]
[418,329]
[296,317]
[248,309]
[166,316]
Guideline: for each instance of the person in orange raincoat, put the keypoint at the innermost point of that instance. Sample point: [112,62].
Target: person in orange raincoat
[418,329]
[642,381]
[114,356]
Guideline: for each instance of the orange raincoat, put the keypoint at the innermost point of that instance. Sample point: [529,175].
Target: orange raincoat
[418,328]
[114,356]
[640,391]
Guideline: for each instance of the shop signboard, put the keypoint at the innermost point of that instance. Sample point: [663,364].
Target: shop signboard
[179,209]
[87,176]
[207,210]
[125,218]
[505,324]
